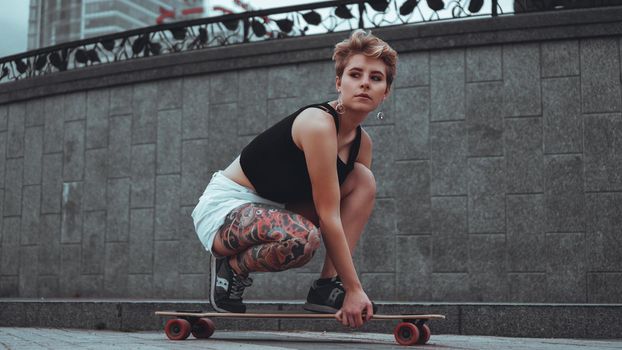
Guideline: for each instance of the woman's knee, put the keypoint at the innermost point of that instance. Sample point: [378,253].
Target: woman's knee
[293,253]
[303,247]
[361,180]
[301,239]
[305,230]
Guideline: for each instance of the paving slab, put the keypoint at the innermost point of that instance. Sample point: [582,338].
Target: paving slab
[586,321]
[62,338]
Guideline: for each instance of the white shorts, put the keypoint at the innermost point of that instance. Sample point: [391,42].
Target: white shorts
[220,197]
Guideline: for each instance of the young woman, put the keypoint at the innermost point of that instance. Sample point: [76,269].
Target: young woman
[305,177]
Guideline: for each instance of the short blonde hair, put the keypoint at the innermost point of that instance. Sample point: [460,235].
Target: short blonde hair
[369,45]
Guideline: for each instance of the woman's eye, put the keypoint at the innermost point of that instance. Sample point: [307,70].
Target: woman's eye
[377,78]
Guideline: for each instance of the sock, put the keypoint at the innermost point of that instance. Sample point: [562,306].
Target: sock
[235,265]
[324,281]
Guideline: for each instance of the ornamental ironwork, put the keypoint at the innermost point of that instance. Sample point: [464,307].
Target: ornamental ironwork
[272,24]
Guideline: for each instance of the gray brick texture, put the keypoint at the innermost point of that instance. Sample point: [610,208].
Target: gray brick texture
[195,108]
[74,106]
[486,195]
[561,113]
[412,123]
[142,187]
[97,112]
[35,114]
[17,122]
[33,154]
[447,85]
[4,117]
[521,80]
[484,117]
[484,63]
[600,75]
[498,173]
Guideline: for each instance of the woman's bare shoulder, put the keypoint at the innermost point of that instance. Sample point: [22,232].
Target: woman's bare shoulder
[315,116]
[312,121]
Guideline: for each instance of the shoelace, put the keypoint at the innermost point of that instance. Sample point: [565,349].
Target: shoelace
[237,286]
[335,280]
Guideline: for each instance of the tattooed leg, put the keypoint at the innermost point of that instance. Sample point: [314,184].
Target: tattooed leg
[262,238]
[278,256]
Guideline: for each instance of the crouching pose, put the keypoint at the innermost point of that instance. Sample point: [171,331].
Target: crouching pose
[305,180]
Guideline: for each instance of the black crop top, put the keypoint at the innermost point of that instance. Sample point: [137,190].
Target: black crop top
[276,167]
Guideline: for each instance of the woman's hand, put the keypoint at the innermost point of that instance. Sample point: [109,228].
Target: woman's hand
[356,310]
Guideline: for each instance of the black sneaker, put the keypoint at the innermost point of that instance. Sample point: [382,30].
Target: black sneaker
[326,295]
[227,287]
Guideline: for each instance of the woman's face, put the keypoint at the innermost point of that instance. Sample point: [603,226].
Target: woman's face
[363,84]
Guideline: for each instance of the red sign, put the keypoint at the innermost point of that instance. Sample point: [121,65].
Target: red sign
[172,14]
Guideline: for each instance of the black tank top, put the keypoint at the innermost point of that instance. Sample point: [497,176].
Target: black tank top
[276,167]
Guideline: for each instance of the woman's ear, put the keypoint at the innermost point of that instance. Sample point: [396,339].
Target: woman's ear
[338,83]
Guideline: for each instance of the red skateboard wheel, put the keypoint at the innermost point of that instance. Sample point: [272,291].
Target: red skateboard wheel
[424,334]
[203,328]
[177,329]
[406,333]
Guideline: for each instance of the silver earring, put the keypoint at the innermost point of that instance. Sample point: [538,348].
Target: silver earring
[380,115]
[340,108]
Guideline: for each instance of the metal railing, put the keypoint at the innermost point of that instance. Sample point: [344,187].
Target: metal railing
[272,24]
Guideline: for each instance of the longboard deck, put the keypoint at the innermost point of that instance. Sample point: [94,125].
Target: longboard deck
[308,315]
[412,329]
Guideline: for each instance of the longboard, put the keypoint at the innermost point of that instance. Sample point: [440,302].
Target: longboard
[410,331]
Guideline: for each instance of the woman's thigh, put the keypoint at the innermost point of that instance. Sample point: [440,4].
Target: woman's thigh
[306,209]
[253,224]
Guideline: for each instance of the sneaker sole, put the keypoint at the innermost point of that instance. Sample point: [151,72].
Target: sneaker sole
[213,287]
[323,309]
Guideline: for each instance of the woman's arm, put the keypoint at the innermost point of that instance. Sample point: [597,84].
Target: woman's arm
[315,132]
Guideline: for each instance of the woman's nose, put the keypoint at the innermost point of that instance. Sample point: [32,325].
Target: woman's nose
[365,82]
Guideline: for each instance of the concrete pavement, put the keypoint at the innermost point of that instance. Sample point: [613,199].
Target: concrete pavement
[53,338]
[585,321]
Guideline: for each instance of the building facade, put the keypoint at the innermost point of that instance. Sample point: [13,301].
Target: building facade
[53,22]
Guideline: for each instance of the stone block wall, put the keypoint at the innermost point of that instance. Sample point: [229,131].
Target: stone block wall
[508,191]
[498,167]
